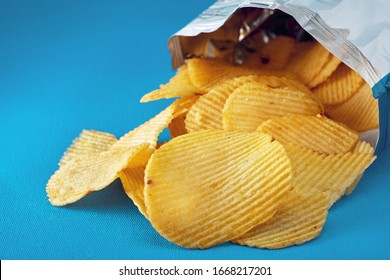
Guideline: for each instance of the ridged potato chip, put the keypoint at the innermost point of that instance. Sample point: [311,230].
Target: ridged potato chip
[208,187]
[88,143]
[177,126]
[314,132]
[253,103]
[206,113]
[360,112]
[327,70]
[364,147]
[179,85]
[361,147]
[334,173]
[300,219]
[82,175]
[133,183]
[205,73]
[340,86]
[312,63]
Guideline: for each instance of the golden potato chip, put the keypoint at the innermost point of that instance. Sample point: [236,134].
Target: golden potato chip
[274,55]
[308,62]
[179,85]
[364,147]
[361,147]
[83,175]
[327,70]
[334,173]
[89,142]
[205,73]
[300,219]
[208,187]
[360,112]
[133,183]
[340,86]
[314,132]
[206,113]
[177,126]
[253,103]
[183,104]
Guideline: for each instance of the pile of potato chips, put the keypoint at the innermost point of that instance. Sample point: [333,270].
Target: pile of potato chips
[258,154]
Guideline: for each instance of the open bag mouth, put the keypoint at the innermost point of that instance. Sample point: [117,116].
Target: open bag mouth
[233,30]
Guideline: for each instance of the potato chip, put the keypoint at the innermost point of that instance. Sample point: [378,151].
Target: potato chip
[253,103]
[205,73]
[327,70]
[361,147]
[206,113]
[179,85]
[364,147]
[360,112]
[133,183]
[177,126]
[308,62]
[334,173]
[340,86]
[208,187]
[89,142]
[83,175]
[314,132]
[300,219]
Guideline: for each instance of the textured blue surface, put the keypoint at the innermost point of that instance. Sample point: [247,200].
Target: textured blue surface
[70,65]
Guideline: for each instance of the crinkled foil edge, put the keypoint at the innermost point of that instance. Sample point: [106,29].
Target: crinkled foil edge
[332,39]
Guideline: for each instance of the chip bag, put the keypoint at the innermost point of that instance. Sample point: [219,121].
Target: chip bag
[359,37]
[275,119]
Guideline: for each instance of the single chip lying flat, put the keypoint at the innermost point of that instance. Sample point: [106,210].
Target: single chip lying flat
[300,219]
[314,172]
[205,73]
[79,177]
[308,61]
[133,183]
[83,175]
[208,187]
[179,85]
[253,103]
[206,113]
[314,132]
[89,142]
[177,126]
[340,86]
[360,112]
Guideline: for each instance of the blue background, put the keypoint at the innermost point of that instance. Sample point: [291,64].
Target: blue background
[70,65]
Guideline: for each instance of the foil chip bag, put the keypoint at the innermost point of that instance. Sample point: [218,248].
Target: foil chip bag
[276,120]
[356,32]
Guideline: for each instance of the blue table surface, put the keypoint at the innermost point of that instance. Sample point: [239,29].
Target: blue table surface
[72,65]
